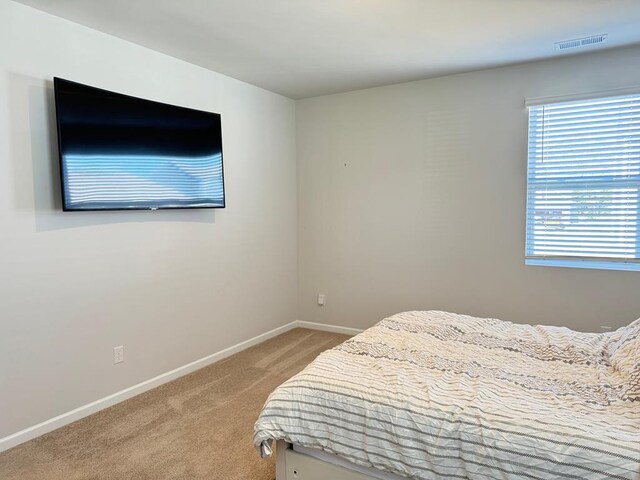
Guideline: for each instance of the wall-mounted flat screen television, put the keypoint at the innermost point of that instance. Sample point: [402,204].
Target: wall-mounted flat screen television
[119,152]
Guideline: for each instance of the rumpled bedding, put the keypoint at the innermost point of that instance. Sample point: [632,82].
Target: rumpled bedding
[438,395]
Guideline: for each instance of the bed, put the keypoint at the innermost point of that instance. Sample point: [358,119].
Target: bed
[436,395]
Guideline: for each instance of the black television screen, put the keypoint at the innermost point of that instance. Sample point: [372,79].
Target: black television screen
[119,152]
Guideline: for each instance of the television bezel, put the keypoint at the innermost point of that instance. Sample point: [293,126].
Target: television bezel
[66,208]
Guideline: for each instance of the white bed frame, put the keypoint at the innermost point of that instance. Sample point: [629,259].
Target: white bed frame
[292,465]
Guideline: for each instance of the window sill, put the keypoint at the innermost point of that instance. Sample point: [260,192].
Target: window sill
[593,264]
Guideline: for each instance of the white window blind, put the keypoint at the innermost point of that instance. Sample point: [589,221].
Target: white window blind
[584,184]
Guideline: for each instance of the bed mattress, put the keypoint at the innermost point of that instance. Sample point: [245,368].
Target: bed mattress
[437,395]
[341,462]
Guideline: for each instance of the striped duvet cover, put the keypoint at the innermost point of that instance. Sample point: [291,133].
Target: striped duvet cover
[430,395]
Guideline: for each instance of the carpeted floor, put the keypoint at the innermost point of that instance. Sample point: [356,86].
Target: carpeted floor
[197,427]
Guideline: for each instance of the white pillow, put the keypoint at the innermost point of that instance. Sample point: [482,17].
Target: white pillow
[623,349]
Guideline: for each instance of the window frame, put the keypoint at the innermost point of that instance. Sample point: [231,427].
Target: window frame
[573,260]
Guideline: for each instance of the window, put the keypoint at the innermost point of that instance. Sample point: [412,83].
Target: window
[583,203]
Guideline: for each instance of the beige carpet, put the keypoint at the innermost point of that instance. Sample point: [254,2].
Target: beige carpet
[197,427]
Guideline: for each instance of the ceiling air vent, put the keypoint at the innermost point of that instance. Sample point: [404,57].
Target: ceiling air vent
[581,42]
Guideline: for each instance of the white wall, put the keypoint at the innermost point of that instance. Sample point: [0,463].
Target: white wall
[409,197]
[170,286]
[412,196]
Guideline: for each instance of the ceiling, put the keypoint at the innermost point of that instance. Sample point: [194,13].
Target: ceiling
[303,48]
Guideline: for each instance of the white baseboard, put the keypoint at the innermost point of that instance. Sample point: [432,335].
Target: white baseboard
[327,328]
[93,407]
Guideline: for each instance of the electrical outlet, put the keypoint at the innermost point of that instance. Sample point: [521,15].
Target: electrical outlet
[118,354]
[321,299]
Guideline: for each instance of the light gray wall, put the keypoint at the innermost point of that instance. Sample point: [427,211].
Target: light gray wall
[412,196]
[170,286]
